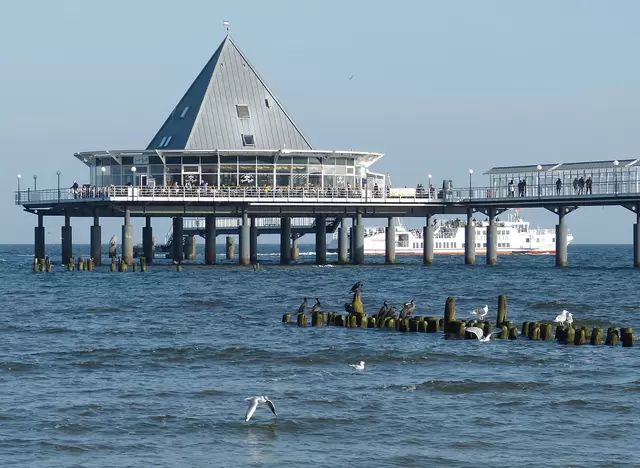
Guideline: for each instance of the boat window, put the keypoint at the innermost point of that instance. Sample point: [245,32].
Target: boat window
[527,240]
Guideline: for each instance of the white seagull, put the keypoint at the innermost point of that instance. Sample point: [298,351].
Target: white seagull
[359,366]
[562,317]
[481,312]
[569,318]
[479,332]
[258,400]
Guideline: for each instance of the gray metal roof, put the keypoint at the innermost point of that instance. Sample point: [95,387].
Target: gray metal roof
[226,105]
[557,167]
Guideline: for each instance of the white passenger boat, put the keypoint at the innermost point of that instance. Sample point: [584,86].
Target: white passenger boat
[514,236]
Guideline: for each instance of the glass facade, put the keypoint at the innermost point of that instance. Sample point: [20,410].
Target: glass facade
[230,171]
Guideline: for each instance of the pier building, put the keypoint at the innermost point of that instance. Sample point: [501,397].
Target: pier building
[229,154]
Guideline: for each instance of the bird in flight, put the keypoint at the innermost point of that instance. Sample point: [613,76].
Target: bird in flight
[258,400]
[351,77]
[479,332]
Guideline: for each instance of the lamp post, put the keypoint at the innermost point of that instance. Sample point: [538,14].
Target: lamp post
[539,167]
[615,176]
[35,182]
[470,172]
[58,174]
[103,169]
[19,177]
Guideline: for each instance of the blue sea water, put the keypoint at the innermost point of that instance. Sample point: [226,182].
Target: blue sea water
[109,369]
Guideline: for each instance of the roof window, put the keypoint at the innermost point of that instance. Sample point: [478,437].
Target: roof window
[248,140]
[184,112]
[243,111]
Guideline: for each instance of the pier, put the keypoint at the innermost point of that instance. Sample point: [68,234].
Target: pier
[251,171]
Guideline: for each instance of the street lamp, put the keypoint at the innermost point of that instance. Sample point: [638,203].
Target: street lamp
[103,169]
[35,182]
[429,188]
[470,172]
[19,177]
[58,174]
[615,176]
[539,167]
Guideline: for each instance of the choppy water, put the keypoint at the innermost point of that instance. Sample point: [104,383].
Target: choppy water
[130,369]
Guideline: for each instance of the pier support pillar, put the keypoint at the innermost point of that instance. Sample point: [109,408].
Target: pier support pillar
[127,238]
[295,250]
[190,247]
[231,248]
[148,247]
[321,240]
[343,239]
[96,241]
[390,239]
[427,242]
[253,242]
[358,242]
[39,250]
[176,244]
[636,239]
[210,240]
[285,239]
[470,240]
[67,240]
[561,239]
[492,239]
[245,244]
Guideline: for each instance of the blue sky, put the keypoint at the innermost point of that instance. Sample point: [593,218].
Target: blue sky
[440,87]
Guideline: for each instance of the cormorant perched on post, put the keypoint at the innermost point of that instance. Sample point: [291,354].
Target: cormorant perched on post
[383,310]
[348,308]
[303,307]
[357,286]
[407,309]
[316,306]
[391,312]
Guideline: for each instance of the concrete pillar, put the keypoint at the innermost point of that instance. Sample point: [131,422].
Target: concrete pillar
[127,238]
[427,246]
[470,240]
[343,240]
[352,239]
[67,240]
[295,251]
[253,242]
[358,242]
[148,247]
[285,239]
[177,251]
[245,258]
[561,239]
[321,240]
[190,247]
[210,240]
[390,238]
[96,241]
[492,239]
[231,248]
[39,250]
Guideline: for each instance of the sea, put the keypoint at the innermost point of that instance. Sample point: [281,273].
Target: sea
[101,369]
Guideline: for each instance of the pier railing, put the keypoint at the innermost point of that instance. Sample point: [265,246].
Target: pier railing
[318,195]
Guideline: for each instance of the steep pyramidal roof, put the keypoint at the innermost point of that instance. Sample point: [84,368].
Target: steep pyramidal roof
[229,106]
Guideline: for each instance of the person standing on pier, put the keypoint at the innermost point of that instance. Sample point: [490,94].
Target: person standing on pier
[575,185]
[511,190]
[589,184]
[581,186]
[558,186]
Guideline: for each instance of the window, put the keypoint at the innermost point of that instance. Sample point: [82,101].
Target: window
[248,140]
[162,142]
[242,111]
[184,112]
[266,103]
[165,142]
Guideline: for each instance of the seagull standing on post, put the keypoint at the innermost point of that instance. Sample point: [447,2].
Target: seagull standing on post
[481,312]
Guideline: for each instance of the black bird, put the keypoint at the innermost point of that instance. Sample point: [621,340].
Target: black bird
[383,310]
[407,309]
[357,286]
[302,307]
[349,308]
[391,312]
[316,306]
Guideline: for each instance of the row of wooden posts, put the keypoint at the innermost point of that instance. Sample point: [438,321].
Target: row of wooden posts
[88,264]
[456,329]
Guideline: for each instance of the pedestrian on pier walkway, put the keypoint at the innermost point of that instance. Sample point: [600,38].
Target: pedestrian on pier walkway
[558,186]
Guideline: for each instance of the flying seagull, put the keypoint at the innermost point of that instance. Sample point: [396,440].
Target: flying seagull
[481,312]
[359,366]
[316,306]
[351,77]
[258,400]
[480,333]
[357,286]
[302,307]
